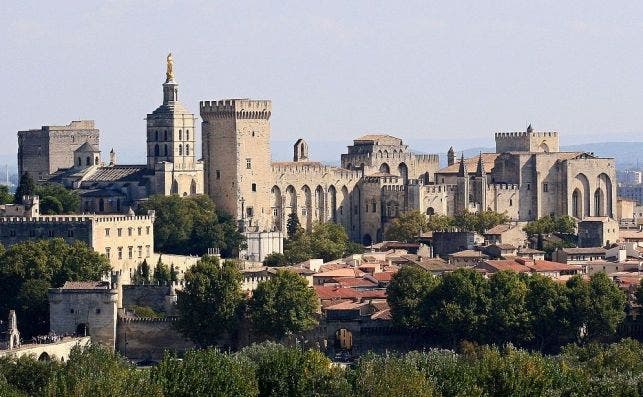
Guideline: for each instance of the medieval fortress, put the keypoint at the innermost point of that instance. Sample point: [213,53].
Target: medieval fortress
[379,177]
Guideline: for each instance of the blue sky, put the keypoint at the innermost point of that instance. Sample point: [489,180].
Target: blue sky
[439,73]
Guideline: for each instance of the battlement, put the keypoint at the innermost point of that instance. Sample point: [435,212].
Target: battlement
[504,135]
[169,319]
[315,168]
[503,186]
[440,188]
[236,108]
[77,218]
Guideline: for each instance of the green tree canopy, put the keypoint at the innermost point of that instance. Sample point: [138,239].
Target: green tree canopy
[29,269]
[282,371]
[275,260]
[607,306]
[26,187]
[406,294]
[292,225]
[408,226]
[191,225]
[207,372]
[550,224]
[327,241]
[479,222]
[162,273]
[548,304]
[5,196]
[212,301]
[458,308]
[509,319]
[94,371]
[56,199]
[282,305]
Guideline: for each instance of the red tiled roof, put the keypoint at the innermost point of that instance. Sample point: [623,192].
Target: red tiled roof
[327,292]
[383,276]
[353,282]
[373,294]
[382,315]
[500,265]
[548,266]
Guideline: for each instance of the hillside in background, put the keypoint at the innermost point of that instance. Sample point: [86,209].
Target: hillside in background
[627,154]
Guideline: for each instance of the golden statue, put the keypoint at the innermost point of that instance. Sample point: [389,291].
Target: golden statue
[170,68]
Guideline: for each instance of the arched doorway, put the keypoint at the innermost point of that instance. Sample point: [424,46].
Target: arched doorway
[577,204]
[44,356]
[276,205]
[599,202]
[82,330]
[332,203]
[367,240]
[430,211]
[385,169]
[193,187]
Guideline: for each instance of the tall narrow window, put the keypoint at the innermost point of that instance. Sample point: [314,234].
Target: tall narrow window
[180,150]
[187,150]
[248,163]
[180,135]
[187,135]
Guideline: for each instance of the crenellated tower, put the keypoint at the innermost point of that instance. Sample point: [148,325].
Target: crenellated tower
[236,153]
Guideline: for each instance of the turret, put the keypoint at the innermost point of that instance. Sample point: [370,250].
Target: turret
[480,168]
[451,156]
[462,169]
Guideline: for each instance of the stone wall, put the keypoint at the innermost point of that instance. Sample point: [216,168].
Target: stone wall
[145,338]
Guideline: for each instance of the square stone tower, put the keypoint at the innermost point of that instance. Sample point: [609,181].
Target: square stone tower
[236,155]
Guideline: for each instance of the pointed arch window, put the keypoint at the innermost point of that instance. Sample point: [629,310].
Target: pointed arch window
[187,149]
[180,135]
[180,150]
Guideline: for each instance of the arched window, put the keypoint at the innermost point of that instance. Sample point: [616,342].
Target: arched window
[187,149]
[187,135]
[165,135]
[165,151]
[180,150]
[156,150]
[88,161]
[180,135]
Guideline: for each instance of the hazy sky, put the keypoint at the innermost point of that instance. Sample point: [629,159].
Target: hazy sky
[432,71]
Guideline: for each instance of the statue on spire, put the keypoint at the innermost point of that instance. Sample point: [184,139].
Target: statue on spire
[170,68]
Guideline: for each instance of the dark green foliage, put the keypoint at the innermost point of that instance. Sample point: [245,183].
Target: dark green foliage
[5,196]
[327,241]
[384,376]
[269,369]
[29,269]
[56,199]
[206,373]
[292,372]
[275,260]
[282,305]
[458,308]
[191,225]
[550,224]
[407,292]
[211,304]
[292,225]
[26,187]
[27,375]
[98,372]
[528,310]
[162,273]
[50,206]
[145,312]
[141,274]
[479,221]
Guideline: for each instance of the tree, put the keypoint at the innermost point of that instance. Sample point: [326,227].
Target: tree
[5,196]
[286,371]
[29,269]
[383,376]
[162,273]
[508,319]
[275,259]
[607,306]
[50,206]
[26,187]
[406,294]
[551,224]
[55,193]
[211,303]
[479,222]
[327,241]
[407,227]
[282,305]
[191,225]
[94,371]
[458,308]
[548,305]
[26,374]
[292,225]
[142,273]
[225,375]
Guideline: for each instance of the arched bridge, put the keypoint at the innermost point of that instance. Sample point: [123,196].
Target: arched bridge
[48,351]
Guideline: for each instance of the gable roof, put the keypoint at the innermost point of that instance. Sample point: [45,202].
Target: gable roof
[488,159]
